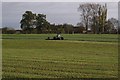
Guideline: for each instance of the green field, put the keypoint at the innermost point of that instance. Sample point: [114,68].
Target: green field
[78,56]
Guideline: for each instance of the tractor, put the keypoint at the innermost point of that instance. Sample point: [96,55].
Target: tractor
[58,37]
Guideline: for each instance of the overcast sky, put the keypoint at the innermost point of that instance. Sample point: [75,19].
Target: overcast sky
[56,12]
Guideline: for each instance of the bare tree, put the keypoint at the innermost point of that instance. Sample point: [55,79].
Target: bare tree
[85,14]
[93,15]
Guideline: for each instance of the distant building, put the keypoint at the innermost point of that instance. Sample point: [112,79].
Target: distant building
[0,30]
[78,29]
[18,31]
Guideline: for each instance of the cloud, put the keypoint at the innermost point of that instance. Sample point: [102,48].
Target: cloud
[112,9]
[0,15]
[57,12]
[60,0]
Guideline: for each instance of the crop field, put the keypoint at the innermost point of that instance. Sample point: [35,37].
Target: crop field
[78,56]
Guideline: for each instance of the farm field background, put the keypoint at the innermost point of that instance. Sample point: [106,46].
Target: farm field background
[78,56]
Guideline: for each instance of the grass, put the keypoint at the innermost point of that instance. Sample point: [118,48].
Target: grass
[78,56]
[76,37]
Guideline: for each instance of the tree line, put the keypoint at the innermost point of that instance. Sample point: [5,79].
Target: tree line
[37,23]
[94,17]
[93,20]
